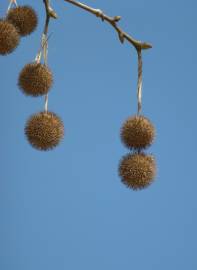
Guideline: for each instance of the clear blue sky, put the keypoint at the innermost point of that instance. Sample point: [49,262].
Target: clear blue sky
[67,209]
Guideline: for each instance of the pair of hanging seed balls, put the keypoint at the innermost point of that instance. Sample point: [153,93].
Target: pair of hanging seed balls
[137,170]
[44,130]
[20,21]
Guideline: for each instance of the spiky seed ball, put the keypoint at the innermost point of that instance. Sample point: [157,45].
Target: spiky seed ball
[9,37]
[137,171]
[24,18]
[44,130]
[137,132]
[35,79]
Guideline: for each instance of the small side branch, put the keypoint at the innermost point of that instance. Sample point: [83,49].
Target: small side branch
[113,22]
[50,13]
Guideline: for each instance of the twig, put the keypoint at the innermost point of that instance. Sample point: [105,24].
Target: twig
[50,13]
[139,84]
[113,21]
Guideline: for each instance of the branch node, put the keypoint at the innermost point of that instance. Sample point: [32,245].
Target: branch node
[117,18]
[52,13]
[99,13]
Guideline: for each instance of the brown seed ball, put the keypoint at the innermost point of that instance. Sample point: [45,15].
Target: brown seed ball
[9,37]
[137,132]
[24,18]
[137,171]
[44,130]
[35,79]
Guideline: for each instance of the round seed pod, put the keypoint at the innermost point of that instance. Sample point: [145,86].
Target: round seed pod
[9,37]
[44,130]
[137,132]
[137,171]
[24,18]
[35,79]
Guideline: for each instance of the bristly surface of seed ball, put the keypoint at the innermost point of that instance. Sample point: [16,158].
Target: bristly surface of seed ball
[35,79]
[137,132]
[24,18]
[9,37]
[137,171]
[44,130]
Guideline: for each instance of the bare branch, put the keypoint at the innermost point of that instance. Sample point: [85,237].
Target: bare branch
[113,21]
[50,13]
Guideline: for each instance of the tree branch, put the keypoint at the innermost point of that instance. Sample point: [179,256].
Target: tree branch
[50,13]
[113,21]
